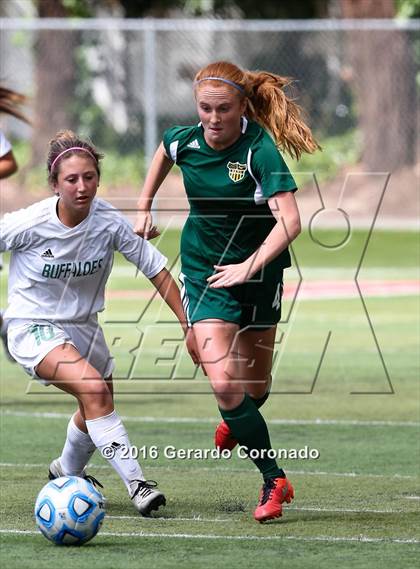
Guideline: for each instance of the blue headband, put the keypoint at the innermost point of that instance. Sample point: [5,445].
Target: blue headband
[228,81]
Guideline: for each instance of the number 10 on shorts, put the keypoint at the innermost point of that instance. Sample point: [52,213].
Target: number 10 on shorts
[42,333]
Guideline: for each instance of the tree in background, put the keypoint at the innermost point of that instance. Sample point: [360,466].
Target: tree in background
[55,75]
[383,76]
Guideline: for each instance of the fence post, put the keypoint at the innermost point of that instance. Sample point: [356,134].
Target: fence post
[150,91]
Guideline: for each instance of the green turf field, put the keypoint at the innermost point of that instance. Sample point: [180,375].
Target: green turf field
[357,505]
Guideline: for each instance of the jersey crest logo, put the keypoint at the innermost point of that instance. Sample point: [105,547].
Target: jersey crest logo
[236,171]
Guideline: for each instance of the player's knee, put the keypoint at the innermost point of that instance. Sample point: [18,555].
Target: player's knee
[228,394]
[95,394]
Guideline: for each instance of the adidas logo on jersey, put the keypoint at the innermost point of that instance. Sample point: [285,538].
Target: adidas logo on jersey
[194,144]
[47,254]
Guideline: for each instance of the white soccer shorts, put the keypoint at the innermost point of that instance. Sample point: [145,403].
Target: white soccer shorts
[29,341]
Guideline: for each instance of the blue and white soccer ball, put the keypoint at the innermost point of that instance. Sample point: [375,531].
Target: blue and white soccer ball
[69,510]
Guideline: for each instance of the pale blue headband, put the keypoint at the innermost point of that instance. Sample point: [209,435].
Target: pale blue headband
[228,81]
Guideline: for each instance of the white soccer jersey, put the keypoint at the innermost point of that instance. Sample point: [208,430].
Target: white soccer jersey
[59,273]
[5,146]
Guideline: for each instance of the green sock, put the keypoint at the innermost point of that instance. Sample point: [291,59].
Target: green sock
[250,430]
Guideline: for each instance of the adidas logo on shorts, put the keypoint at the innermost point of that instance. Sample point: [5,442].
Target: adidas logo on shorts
[194,144]
[47,254]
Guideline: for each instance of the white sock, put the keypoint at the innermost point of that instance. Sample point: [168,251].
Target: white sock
[77,450]
[109,434]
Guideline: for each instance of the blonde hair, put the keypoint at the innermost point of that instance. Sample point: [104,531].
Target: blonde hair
[267,104]
[67,143]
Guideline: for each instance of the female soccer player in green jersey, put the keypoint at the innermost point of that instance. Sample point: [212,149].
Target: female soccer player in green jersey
[234,245]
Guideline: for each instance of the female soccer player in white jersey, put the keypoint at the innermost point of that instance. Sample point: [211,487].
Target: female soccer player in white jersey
[62,251]
[243,215]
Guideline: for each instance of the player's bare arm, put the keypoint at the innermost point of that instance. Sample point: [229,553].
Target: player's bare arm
[8,165]
[159,169]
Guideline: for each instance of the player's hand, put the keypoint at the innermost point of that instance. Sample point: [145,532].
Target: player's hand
[144,225]
[230,275]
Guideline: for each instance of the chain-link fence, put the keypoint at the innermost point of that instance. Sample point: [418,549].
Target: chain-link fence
[122,82]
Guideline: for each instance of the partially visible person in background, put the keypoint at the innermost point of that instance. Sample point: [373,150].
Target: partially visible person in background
[8,165]
[10,103]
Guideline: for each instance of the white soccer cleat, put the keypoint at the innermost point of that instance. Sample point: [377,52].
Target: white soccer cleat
[146,497]
[56,471]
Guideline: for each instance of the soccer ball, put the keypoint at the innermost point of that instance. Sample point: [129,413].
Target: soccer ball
[69,510]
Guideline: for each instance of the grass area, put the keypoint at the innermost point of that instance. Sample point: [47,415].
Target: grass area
[356,505]
[390,249]
[395,252]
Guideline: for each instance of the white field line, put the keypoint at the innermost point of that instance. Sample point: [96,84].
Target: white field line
[351,474]
[211,420]
[162,519]
[348,510]
[225,469]
[322,538]
[289,508]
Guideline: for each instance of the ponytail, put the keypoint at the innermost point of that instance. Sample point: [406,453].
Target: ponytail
[10,103]
[271,108]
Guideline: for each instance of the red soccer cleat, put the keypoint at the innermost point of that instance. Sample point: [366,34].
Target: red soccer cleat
[223,437]
[274,492]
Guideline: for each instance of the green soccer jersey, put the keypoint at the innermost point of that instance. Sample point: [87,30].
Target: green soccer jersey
[227,191]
